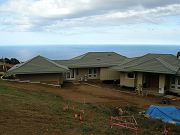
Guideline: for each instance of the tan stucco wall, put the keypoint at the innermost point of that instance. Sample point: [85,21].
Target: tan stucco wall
[107,74]
[125,81]
[43,78]
[1,73]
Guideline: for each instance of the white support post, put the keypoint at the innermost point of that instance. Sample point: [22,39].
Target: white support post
[162,80]
[139,82]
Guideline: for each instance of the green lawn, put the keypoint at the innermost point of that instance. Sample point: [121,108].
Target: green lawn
[39,112]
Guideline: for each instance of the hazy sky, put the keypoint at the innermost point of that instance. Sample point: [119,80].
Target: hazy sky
[89,22]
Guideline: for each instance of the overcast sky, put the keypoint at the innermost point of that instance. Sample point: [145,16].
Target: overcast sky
[89,22]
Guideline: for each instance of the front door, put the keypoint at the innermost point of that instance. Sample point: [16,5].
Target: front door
[70,75]
[152,81]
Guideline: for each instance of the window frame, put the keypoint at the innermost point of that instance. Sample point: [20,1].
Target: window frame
[92,72]
[129,75]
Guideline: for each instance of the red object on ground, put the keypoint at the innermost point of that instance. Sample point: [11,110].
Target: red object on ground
[165,132]
[79,115]
[65,107]
[128,122]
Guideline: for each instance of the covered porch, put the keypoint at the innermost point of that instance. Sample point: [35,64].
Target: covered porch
[151,83]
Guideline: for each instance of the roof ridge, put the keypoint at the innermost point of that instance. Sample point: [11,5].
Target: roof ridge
[160,54]
[81,57]
[167,65]
[22,64]
[124,61]
[138,63]
[56,64]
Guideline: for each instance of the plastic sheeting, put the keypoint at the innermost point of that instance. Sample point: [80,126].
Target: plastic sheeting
[169,114]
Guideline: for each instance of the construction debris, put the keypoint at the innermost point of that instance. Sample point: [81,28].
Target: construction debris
[128,122]
[169,98]
[165,131]
[79,115]
[65,107]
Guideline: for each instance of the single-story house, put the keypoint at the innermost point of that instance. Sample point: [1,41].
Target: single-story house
[157,72]
[93,66]
[154,72]
[39,70]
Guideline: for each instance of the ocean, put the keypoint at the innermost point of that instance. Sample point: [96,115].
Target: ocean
[26,52]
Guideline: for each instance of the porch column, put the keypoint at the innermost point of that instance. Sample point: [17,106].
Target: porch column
[139,82]
[139,79]
[161,83]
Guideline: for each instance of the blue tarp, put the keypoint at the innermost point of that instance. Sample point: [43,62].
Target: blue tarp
[169,114]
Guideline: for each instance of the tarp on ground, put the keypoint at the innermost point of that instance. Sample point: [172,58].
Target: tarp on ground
[169,114]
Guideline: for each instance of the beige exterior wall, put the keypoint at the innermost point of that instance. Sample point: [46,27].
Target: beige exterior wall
[125,81]
[43,78]
[102,74]
[106,74]
[1,73]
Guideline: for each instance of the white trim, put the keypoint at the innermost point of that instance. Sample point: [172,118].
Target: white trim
[70,74]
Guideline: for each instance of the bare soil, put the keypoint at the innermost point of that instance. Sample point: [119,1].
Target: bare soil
[91,93]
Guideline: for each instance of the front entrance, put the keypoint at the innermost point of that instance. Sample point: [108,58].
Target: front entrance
[70,75]
[151,81]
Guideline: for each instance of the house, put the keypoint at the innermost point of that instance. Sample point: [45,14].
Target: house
[157,72]
[93,66]
[39,69]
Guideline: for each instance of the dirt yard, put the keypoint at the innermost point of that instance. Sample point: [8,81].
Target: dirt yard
[90,93]
[35,109]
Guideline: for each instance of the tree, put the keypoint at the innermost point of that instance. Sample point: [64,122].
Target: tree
[14,61]
[7,60]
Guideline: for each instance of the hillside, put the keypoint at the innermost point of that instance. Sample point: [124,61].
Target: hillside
[36,109]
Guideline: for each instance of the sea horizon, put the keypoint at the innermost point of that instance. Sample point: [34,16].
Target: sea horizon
[25,52]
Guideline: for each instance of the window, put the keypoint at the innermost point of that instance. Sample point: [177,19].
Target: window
[178,80]
[130,75]
[77,71]
[95,71]
[71,74]
[92,72]
[173,79]
[173,82]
